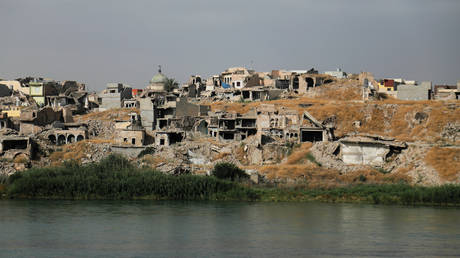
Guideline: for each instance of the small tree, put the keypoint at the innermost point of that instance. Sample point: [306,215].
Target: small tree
[171,84]
[226,170]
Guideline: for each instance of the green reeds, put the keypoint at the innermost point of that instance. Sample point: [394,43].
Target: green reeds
[116,178]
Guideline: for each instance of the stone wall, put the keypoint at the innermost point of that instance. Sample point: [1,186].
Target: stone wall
[414,92]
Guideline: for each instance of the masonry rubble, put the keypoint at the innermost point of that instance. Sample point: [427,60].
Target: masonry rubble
[175,124]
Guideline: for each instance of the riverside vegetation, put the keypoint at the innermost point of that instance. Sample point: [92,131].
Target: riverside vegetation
[116,178]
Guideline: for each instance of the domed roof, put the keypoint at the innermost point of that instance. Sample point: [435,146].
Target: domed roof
[159,77]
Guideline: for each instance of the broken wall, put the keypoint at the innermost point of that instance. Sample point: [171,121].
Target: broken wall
[363,153]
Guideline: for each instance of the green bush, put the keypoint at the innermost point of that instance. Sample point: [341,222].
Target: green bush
[3,179]
[226,170]
[116,178]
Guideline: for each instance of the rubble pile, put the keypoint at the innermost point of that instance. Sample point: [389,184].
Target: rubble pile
[256,120]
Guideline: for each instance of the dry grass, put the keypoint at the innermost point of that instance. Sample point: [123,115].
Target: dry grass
[296,165]
[75,151]
[446,161]
[317,177]
[108,115]
[341,91]
[346,114]
[221,155]
[286,171]
[299,155]
[389,117]
[21,159]
[152,160]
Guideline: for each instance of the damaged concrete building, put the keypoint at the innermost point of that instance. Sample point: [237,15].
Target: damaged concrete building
[311,130]
[66,133]
[269,124]
[130,133]
[114,95]
[11,146]
[32,121]
[167,115]
[226,126]
[368,149]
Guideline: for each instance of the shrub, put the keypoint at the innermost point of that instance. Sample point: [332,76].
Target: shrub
[362,178]
[225,170]
[382,170]
[3,179]
[116,178]
[148,150]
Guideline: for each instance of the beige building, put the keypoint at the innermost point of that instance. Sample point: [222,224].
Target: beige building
[236,76]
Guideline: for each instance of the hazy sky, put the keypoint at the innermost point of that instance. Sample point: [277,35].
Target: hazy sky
[96,42]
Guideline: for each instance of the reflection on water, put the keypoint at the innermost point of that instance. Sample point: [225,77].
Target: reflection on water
[202,229]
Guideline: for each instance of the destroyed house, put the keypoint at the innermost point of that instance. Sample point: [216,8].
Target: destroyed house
[260,93]
[166,138]
[15,85]
[5,121]
[338,73]
[246,125]
[130,103]
[11,146]
[303,82]
[222,126]
[113,95]
[32,121]
[231,126]
[158,112]
[65,133]
[446,92]
[311,130]
[368,149]
[41,91]
[131,135]
[71,86]
[276,124]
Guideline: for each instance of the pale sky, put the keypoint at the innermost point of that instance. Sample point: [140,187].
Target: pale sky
[96,42]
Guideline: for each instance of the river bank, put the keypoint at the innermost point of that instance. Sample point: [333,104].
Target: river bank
[114,178]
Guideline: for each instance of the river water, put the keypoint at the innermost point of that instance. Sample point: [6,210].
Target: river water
[222,229]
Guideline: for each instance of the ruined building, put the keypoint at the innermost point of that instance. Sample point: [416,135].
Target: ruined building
[113,96]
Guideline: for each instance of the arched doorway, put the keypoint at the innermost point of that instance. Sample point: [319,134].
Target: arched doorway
[70,138]
[295,83]
[80,138]
[310,82]
[202,127]
[61,139]
[52,138]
